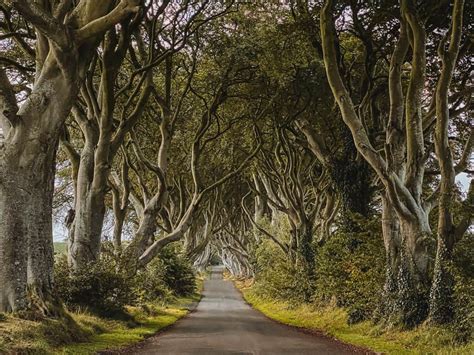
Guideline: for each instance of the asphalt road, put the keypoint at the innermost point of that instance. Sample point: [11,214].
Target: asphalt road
[224,324]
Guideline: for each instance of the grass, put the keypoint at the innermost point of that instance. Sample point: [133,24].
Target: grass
[119,334]
[333,322]
[83,333]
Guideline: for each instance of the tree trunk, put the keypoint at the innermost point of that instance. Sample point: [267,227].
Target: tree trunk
[306,257]
[119,220]
[413,278]
[27,154]
[84,246]
[392,243]
[27,169]
[442,288]
[441,296]
[84,241]
[26,243]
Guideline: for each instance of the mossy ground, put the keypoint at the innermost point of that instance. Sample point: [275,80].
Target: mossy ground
[83,333]
[333,322]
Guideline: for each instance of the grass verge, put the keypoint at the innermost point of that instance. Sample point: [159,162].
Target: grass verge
[333,322]
[83,333]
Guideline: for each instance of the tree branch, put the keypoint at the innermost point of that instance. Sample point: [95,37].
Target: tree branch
[102,24]
[43,21]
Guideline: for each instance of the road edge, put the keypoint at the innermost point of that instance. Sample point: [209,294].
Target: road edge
[130,349]
[310,331]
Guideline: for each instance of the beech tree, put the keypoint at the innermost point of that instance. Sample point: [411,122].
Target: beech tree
[66,35]
[210,124]
[112,106]
[401,170]
[441,310]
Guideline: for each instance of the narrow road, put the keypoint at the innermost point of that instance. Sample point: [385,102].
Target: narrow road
[224,324]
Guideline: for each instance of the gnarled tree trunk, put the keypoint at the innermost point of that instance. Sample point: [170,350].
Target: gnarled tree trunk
[27,154]
[27,167]
[441,295]
[392,243]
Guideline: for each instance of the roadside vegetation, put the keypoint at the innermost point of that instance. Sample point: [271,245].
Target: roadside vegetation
[334,322]
[81,332]
[103,309]
[347,296]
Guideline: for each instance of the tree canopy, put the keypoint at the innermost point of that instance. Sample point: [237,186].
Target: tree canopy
[243,131]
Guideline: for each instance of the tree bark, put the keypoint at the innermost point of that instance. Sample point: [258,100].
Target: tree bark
[392,243]
[441,295]
[402,181]
[27,168]
[27,154]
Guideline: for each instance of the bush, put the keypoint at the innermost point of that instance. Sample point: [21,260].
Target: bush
[178,273]
[149,284]
[99,287]
[102,289]
[278,277]
[350,269]
[168,275]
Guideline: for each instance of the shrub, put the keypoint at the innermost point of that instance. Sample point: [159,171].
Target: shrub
[350,269]
[277,277]
[99,287]
[104,290]
[178,273]
[149,284]
[168,275]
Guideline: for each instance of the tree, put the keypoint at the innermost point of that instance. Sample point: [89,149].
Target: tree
[67,34]
[402,169]
[113,103]
[441,297]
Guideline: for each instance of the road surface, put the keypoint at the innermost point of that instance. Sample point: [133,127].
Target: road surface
[224,324]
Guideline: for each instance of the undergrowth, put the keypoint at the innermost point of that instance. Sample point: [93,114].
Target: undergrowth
[81,332]
[333,321]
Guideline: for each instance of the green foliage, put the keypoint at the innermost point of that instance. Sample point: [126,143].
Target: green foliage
[411,304]
[155,298]
[169,275]
[278,277]
[149,285]
[99,287]
[103,289]
[109,335]
[178,276]
[350,270]
[334,322]
[84,333]
[60,248]
[350,274]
